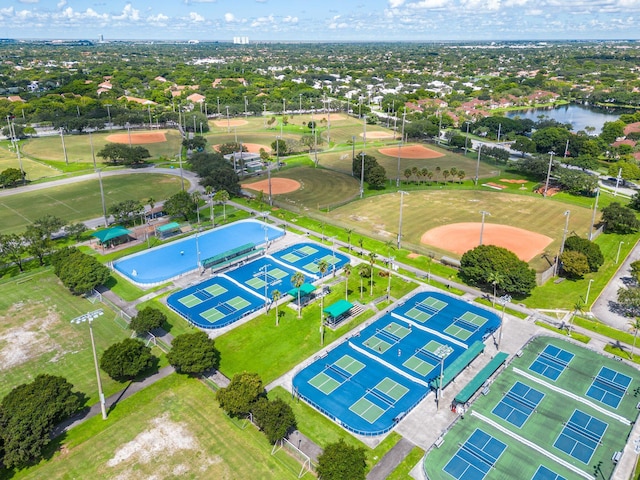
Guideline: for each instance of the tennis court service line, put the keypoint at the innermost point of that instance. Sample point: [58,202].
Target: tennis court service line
[292,267]
[447,338]
[388,365]
[573,396]
[532,445]
[243,287]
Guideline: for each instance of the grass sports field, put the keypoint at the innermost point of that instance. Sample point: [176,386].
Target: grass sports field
[79,148]
[34,170]
[172,429]
[319,187]
[81,201]
[36,335]
[424,210]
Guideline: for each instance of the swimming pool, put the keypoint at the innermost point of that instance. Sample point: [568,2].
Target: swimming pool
[168,261]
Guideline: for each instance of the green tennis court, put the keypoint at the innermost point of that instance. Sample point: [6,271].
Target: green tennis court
[324,383]
[434,303]
[190,300]
[307,250]
[367,410]
[418,365]
[238,303]
[349,364]
[212,315]
[458,332]
[377,344]
[396,329]
[392,389]
[291,257]
[474,319]
[225,308]
[379,399]
[272,276]
[215,290]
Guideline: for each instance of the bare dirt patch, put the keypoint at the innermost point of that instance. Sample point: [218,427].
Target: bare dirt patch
[20,344]
[229,123]
[414,255]
[251,147]
[138,138]
[278,186]
[378,135]
[512,180]
[411,151]
[460,237]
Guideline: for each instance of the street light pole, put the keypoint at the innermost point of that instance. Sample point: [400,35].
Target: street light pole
[483,212]
[567,214]
[546,185]
[503,300]
[478,164]
[64,149]
[104,205]
[228,123]
[90,317]
[618,254]
[108,105]
[593,216]
[398,173]
[442,351]
[402,194]
[586,299]
[466,138]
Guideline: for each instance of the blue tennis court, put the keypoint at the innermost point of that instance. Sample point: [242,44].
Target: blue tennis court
[518,404]
[551,362]
[264,272]
[609,387]
[305,256]
[476,457]
[214,303]
[543,473]
[461,322]
[364,396]
[581,435]
[167,261]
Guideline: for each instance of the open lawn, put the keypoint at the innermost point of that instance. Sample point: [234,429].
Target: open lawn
[36,335]
[259,346]
[34,170]
[423,210]
[172,429]
[78,147]
[340,160]
[319,187]
[81,201]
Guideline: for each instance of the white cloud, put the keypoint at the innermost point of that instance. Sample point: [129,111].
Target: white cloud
[290,19]
[128,13]
[229,17]
[160,19]
[428,4]
[29,1]
[61,4]
[534,12]
[396,3]
[195,17]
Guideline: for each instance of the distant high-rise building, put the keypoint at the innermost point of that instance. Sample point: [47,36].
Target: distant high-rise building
[241,40]
[101,38]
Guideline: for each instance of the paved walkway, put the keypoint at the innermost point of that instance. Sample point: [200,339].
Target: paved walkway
[390,461]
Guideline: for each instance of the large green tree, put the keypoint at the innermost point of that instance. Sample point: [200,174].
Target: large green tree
[28,415]
[193,353]
[619,219]
[574,264]
[477,266]
[591,250]
[274,417]
[340,461]
[127,359]
[79,272]
[180,204]
[147,319]
[238,397]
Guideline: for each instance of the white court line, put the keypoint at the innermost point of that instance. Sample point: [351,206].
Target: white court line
[573,396]
[532,445]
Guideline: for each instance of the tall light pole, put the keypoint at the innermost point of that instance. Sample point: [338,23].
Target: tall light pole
[546,185]
[402,194]
[266,285]
[619,247]
[503,301]
[245,105]
[129,133]
[398,172]
[104,205]
[90,317]
[567,214]
[228,122]
[64,149]
[478,165]
[586,299]
[466,138]
[264,114]
[484,213]
[618,179]
[443,352]
[300,103]
[218,100]
[108,105]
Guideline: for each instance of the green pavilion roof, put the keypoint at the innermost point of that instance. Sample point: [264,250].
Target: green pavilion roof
[169,227]
[338,308]
[305,289]
[111,233]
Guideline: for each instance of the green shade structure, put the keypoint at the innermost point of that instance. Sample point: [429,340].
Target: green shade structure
[226,257]
[476,382]
[109,234]
[339,308]
[169,227]
[458,365]
[305,289]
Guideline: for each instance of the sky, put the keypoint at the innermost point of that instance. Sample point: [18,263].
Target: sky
[321,20]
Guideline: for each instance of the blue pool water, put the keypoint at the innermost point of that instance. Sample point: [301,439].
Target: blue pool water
[168,261]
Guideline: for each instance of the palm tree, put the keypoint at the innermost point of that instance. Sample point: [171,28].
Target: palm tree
[634,326]
[454,173]
[445,174]
[425,173]
[414,171]
[222,196]
[275,296]
[297,280]
[363,271]
[347,272]
[437,173]
[407,174]
[360,243]
[495,279]
[430,176]
[372,259]
[461,175]
[349,231]
[195,196]
[323,266]
[419,175]
[577,308]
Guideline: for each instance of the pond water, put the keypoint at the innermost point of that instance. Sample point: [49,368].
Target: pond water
[579,116]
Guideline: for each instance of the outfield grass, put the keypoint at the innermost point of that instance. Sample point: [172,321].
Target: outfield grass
[36,335]
[319,187]
[424,210]
[34,170]
[81,201]
[78,147]
[259,346]
[172,429]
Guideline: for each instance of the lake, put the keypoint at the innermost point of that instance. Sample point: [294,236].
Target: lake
[579,116]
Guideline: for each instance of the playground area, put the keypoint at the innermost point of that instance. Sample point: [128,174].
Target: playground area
[557,411]
[372,380]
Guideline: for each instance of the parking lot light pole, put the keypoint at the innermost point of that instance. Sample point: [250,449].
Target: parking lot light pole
[89,318]
[442,351]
